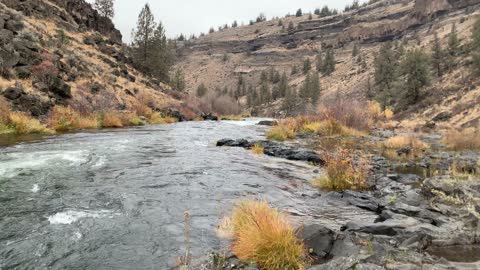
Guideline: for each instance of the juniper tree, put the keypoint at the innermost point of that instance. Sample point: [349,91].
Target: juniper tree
[294,70]
[291,27]
[201,90]
[299,13]
[304,92]
[319,62]
[105,8]
[178,80]
[476,47]
[265,94]
[307,65]
[290,102]
[453,47]
[355,50]
[317,11]
[283,86]
[415,69]
[385,69]
[314,88]
[438,56]
[234,24]
[310,17]
[329,62]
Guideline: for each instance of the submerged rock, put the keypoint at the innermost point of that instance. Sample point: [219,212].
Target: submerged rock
[268,123]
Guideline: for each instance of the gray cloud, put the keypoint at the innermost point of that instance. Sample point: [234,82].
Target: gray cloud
[196,16]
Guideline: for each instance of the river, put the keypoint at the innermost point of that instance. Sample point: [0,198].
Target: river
[115,199]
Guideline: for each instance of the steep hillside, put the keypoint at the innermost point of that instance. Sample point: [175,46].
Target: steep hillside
[219,58]
[57,52]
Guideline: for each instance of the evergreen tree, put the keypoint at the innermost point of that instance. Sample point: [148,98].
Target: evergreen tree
[476,36]
[453,42]
[329,62]
[283,86]
[385,69]
[294,70]
[178,81]
[144,33]
[437,57]
[314,88]
[290,102]
[105,8]
[212,30]
[325,12]
[305,90]
[234,24]
[317,11]
[415,69]
[319,62]
[265,94]
[307,66]
[291,27]
[299,13]
[310,17]
[201,90]
[476,47]
[263,76]
[151,50]
[355,50]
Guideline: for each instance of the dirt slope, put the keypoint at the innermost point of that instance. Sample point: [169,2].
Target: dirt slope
[253,48]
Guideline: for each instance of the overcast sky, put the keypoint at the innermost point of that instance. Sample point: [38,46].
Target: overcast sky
[196,16]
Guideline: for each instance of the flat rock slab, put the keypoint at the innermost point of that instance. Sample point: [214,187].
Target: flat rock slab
[276,149]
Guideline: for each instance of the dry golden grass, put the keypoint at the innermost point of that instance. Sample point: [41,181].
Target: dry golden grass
[24,124]
[343,173]
[264,236]
[65,119]
[111,120]
[281,132]
[462,140]
[402,141]
[130,119]
[157,119]
[257,149]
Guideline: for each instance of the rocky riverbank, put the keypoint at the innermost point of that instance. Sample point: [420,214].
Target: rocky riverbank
[427,210]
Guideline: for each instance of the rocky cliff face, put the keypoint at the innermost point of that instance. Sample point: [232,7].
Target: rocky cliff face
[61,52]
[254,48]
[73,14]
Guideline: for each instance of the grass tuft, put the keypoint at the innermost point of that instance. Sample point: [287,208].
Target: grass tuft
[402,141]
[463,140]
[257,149]
[111,120]
[24,124]
[157,119]
[343,173]
[263,235]
[281,133]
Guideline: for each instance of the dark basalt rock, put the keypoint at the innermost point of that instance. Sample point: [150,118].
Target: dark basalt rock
[318,238]
[267,123]
[362,200]
[276,149]
[209,117]
[13,93]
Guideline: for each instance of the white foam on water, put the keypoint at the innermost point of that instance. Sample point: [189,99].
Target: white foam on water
[18,161]
[246,122]
[35,188]
[71,216]
[100,162]
[77,236]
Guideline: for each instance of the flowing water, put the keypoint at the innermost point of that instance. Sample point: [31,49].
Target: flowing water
[115,199]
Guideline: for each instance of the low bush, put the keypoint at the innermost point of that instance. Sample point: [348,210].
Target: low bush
[66,119]
[111,120]
[156,119]
[282,132]
[257,149]
[403,141]
[24,124]
[343,173]
[462,140]
[130,119]
[264,236]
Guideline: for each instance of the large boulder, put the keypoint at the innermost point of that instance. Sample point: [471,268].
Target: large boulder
[318,238]
[6,36]
[13,93]
[60,88]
